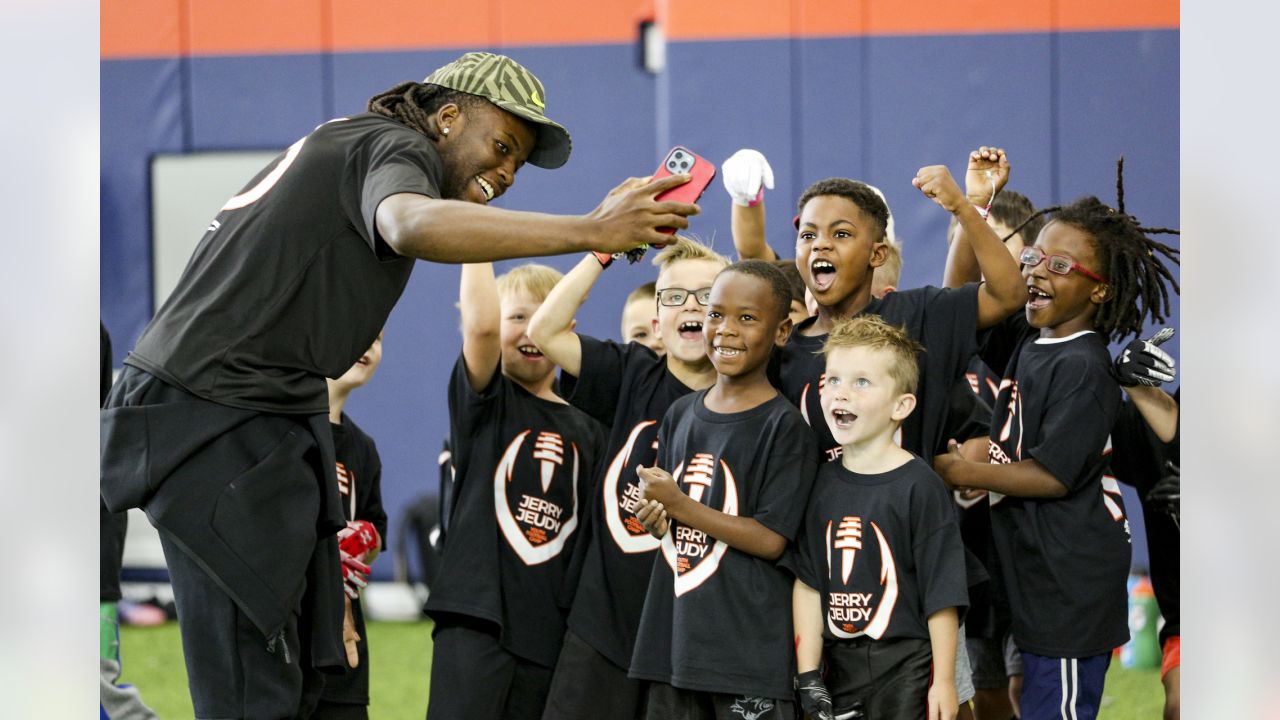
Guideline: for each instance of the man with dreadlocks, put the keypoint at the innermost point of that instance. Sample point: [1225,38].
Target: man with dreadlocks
[1059,526]
[218,425]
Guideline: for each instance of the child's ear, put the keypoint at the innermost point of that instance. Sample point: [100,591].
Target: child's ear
[573,324]
[1100,294]
[653,324]
[903,406]
[784,331]
[879,253]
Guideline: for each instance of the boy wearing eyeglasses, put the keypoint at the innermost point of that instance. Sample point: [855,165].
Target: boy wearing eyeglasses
[627,387]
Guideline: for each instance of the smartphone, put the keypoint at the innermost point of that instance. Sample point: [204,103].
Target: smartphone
[683,160]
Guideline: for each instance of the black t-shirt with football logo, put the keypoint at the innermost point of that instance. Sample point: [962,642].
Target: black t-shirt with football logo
[291,282]
[359,472]
[1064,561]
[524,467]
[717,619]
[629,389]
[1138,458]
[943,320]
[882,550]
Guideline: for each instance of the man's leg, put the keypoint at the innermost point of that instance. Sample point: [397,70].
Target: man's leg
[233,670]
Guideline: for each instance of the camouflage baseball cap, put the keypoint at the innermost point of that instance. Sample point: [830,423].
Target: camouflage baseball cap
[507,84]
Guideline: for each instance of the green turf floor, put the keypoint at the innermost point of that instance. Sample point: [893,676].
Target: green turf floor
[401,664]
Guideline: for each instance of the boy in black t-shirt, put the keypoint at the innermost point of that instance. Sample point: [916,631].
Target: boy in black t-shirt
[735,465]
[629,389]
[524,460]
[880,566]
[1059,529]
[840,242]
[359,472]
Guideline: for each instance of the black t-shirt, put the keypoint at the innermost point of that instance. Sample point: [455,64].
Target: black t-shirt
[982,381]
[1064,561]
[291,282]
[882,550]
[943,320]
[715,618]
[524,467]
[628,388]
[359,471]
[111,526]
[1138,459]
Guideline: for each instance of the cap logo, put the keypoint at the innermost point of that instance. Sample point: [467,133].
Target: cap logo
[533,98]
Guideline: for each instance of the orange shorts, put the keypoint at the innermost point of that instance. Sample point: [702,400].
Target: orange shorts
[1172,655]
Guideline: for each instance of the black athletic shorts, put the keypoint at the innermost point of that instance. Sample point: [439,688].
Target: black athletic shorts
[664,702]
[888,679]
[588,686]
[474,678]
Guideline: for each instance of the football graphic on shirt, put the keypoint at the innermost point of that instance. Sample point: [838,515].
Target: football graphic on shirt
[535,495]
[858,607]
[622,494]
[693,555]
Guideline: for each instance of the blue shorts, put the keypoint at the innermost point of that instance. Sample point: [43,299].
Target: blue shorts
[1062,688]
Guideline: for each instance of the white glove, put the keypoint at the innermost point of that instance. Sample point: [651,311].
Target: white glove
[746,174]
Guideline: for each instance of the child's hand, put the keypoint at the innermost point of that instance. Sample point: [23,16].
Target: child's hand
[746,174]
[948,464]
[987,175]
[653,515]
[936,183]
[943,702]
[350,637]
[659,485]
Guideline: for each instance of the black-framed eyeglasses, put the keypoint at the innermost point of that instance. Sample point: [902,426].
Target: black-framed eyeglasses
[675,297]
[1058,264]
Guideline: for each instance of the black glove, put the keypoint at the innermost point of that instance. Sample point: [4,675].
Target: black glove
[1166,495]
[1142,362]
[814,698]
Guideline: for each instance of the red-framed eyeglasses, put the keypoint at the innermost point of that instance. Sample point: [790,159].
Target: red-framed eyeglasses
[1058,264]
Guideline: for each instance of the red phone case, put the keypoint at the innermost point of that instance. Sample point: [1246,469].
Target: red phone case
[683,160]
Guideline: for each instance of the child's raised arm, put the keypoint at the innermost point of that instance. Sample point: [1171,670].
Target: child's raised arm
[551,327]
[746,174]
[986,176]
[741,533]
[481,323]
[1004,291]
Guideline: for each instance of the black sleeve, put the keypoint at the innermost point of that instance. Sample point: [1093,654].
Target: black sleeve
[788,477]
[104,382]
[950,325]
[369,503]
[1076,421]
[998,343]
[596,389]
[801,556]
[968,416]
[468,409]
[391,161]
[937,547]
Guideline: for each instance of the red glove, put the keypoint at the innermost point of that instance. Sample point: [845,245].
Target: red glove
[358,538]
[355,575]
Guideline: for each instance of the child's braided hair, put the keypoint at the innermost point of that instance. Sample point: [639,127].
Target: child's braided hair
[1138,280]
[413,103]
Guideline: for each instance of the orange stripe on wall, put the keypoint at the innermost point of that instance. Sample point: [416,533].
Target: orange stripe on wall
[139,28]
[151,28]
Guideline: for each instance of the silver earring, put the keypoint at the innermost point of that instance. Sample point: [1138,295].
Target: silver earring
[445,131]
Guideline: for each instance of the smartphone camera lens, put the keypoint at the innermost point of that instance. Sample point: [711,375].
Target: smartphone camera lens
[678,155]
[671,166]
[684,165]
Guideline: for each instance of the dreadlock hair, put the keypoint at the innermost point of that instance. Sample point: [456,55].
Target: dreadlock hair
[1138,280]
[1013,209]
[861,194]
[413,103]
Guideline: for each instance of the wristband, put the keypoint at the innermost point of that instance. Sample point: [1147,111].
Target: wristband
[983,211]
[605,259]
[759,198]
